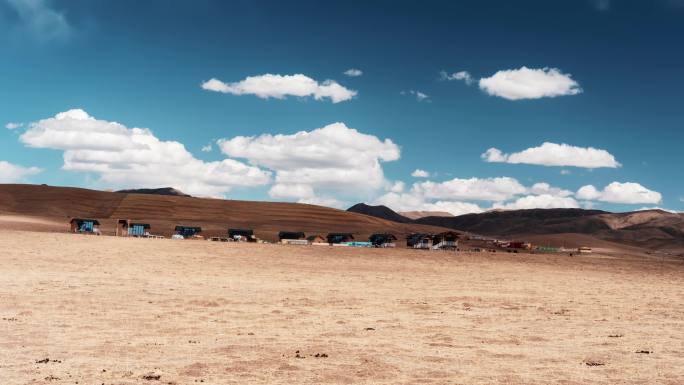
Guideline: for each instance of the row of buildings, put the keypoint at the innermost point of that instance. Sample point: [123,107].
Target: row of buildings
[126,228]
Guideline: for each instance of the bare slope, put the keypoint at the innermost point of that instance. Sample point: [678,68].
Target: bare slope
[164,212]
[422,214]
[123,312]
[653,229]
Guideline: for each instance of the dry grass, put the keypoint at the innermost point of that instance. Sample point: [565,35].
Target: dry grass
[129,311]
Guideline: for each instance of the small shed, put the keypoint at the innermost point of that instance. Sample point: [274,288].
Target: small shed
[243,235]
[335,238]
[126,228]
[291,235]
[188,231]
[445,241]
[382,240]
[85,225]
[139,229]
[419,241]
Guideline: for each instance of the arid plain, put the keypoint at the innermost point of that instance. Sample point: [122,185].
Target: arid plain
[105,310]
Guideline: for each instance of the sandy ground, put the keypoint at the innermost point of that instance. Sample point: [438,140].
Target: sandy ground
[105,310]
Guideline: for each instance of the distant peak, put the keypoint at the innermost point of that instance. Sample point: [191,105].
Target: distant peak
[379,211]
[156,191]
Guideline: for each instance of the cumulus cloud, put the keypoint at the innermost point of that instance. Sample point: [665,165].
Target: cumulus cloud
[553,154]
[460,75]
[419,173]
[529,83]
[135,157]
[658,208]
[279,86]
[397,187]
[13,126]
[419,95]
[474,195]
[546,189]
[207,148]
[12,173]
[41,20]
[353,72]
[486,189]
[334,160]
[543,201]
[616,192]
[414,202]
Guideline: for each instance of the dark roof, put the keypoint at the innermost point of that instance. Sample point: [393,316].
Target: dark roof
[419,236]
[291,235]
[448,232]
[195,228]
[415,238]
[339,237]
[241,232]
[81,220]
[379,238]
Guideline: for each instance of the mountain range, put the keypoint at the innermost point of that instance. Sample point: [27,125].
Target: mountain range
[652,229]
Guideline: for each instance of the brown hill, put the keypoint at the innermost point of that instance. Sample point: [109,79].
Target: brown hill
[653,229]
[535,221]
[51,207]
[422,214]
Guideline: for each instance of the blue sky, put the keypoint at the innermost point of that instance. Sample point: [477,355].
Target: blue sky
[599,81]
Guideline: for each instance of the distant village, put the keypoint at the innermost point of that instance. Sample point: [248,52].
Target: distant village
[445,241]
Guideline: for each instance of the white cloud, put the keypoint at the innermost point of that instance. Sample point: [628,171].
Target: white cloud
[565,172]
[43,22]
[207,148]
[325,201]
[134,157]
[456,196]
[397,187]
[529,83]
[12,173]
[419,95]
[413,202]
[543,201]
[13,126]
[547,189]
[487,189]
[331,161]
[353,72]
[616,192]
[493,155]
[658,208]
[419,173]
[279,86]
[553,154]
[460,75]
[588,192]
